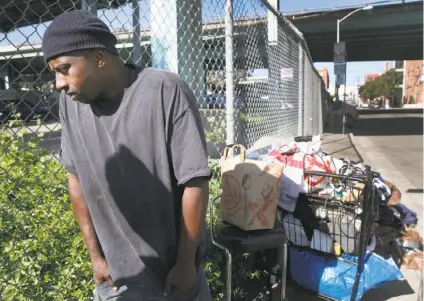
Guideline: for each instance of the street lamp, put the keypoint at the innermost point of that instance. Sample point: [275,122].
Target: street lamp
[368,7]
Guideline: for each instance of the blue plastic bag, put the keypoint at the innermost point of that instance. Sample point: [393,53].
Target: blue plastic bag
[335,278]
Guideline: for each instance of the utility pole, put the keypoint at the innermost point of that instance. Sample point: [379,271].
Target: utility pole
[342,47]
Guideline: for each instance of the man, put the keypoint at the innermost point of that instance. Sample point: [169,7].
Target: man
[135,151]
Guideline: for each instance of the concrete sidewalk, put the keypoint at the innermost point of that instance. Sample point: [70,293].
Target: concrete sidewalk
[389,171]
[341,146]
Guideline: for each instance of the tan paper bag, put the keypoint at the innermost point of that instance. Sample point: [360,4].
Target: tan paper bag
[250,190]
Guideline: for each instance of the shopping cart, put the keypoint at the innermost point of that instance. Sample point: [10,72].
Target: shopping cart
[338,216]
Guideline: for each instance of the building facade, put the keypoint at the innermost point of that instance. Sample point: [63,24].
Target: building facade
[370,76]
[323,72]
[413,82]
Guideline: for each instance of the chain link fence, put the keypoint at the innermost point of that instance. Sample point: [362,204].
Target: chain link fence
[250,70]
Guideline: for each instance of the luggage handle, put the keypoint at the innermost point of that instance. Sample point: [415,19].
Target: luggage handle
[235,146]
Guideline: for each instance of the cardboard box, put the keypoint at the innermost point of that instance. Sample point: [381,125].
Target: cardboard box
[250,190]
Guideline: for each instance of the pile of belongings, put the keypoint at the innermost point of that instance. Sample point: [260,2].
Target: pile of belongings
[331,223]
[315,226]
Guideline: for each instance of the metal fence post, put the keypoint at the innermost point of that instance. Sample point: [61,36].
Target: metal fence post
[319,108]
[300,121]
[136,54]
[229,72]
[274,65]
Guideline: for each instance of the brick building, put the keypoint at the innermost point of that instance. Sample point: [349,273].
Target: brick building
[371,76]
[323,72]
[413,81]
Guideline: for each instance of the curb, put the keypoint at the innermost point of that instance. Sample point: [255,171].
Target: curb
[355,147]
[390,111]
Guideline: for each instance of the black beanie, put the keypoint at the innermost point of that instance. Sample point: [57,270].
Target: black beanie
[77,30]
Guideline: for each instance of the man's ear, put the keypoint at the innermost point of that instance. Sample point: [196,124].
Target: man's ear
[99,56]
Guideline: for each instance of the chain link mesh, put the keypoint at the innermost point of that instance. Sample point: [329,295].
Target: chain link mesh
[276,92]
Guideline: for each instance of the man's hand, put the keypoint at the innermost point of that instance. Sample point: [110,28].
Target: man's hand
[101,272]
[182,277]
[82,214]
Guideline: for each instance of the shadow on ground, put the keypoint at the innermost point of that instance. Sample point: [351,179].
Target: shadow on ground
[388,291]
[383,125]
[390,126]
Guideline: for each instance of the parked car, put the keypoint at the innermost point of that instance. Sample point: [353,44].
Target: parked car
[335,114]
[23,109]
[352,103]
[219,101]
[374,105]
[12,102]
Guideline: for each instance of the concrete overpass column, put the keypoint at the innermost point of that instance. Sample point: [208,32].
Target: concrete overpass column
[4,77]
[176,40]
[90,6]
[136,54]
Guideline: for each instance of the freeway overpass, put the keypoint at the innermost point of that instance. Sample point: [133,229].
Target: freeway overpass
[386,32]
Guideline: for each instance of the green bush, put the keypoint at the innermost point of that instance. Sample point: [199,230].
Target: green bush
[42,254]
[41,250]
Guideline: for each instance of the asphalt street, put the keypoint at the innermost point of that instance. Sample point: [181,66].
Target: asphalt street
[397,137]
[393,145]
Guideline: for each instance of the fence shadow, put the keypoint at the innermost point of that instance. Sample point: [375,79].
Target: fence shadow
[389,126]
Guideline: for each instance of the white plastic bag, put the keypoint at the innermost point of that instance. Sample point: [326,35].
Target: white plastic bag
[294,231]
[322,242]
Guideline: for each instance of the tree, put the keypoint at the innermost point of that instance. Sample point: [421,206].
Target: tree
[384,85]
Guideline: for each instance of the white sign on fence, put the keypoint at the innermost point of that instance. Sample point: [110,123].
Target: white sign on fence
[286,73]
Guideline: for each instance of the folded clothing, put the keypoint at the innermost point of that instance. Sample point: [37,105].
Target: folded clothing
[407,216]
[382,190]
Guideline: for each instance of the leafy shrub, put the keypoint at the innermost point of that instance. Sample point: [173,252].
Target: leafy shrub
[41,250]
[243,265]
[42,253]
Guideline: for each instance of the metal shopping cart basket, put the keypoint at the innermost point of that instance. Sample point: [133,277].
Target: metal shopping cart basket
[336,217]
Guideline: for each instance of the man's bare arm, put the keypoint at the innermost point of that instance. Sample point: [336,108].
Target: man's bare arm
[83,217]
[193,212]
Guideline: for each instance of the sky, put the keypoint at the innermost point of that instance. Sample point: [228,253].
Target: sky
[211,10]
[355,71]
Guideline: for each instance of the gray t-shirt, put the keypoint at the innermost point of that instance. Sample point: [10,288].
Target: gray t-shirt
[133,157]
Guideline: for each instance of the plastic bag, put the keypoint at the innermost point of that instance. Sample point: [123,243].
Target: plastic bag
[294,231]
[335,277]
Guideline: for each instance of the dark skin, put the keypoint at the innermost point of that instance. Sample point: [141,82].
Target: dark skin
[95,75]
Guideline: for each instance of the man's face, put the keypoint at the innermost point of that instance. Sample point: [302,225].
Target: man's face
[79,75]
